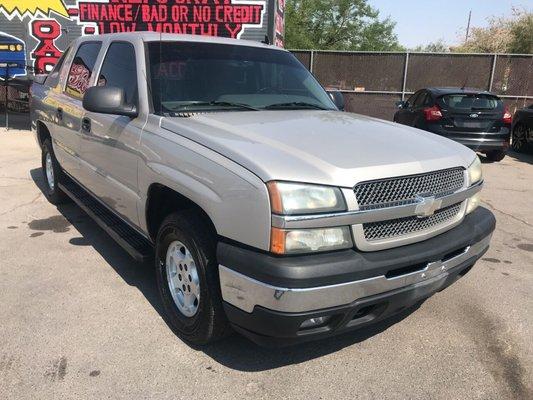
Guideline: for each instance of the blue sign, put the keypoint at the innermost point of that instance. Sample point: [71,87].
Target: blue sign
[12,56]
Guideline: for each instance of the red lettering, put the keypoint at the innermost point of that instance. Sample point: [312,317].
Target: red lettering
[46,52]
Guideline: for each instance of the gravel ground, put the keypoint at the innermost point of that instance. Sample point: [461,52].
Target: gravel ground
[80,319]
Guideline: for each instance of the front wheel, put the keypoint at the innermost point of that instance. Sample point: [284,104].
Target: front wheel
[52,173]
[495,155]
[187,278]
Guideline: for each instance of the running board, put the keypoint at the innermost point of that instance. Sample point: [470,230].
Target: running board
[137,246]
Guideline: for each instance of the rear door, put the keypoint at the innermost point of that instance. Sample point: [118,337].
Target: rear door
[50,108]
[416,118]
[475,113]
[405,115]
[70,109]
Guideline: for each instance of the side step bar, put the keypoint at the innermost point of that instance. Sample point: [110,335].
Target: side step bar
[137,246]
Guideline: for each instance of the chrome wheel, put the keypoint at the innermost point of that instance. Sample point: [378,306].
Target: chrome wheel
[50,172]
[182,278]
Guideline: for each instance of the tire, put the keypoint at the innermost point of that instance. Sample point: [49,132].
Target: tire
[519,138]
[52,174]
[495,155]
[203,320]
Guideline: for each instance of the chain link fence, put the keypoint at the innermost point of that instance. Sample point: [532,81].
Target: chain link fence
[373,81]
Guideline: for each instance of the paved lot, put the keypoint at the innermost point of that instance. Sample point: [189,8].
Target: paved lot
[79,319]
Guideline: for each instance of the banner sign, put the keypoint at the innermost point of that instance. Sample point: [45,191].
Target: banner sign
[43,29]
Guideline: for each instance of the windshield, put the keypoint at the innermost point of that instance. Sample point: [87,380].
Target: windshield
[187,76]
[470,102]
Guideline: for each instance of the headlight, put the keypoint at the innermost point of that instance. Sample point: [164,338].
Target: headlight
[295,198]
[310,240]
[475,174]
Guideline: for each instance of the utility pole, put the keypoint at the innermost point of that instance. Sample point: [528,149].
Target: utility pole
[468,26]
[6,99]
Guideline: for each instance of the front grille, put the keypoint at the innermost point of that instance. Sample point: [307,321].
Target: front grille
[403,190]
[404,226]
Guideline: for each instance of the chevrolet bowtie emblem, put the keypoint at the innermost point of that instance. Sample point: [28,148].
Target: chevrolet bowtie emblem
[427,206]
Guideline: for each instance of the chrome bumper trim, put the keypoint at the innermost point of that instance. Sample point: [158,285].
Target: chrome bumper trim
[364,216]
[246,293]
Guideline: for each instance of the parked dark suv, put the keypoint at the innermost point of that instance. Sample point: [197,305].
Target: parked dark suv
[523,129]
[475,118]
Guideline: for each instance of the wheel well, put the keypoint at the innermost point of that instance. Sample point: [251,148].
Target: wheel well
[42,132]
[162,201]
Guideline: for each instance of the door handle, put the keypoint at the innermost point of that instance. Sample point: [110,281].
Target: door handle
[86,124]
[59,113]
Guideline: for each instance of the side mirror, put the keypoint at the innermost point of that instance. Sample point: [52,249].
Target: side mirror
[402,104]
[108,100]
[338,99]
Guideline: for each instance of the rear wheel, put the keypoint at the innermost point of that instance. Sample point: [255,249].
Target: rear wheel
[495,155]
[52,173]
[187,278]
[519,138]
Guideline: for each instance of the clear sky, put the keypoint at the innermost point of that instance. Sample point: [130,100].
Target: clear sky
[419,22]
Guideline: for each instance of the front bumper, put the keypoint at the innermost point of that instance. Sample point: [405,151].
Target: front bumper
[268,298]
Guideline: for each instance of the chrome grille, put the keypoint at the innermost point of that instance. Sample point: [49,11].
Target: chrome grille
[403,190]
[404,226]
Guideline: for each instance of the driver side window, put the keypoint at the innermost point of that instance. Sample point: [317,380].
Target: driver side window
[119,70]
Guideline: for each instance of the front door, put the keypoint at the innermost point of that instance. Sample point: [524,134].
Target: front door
[110,143]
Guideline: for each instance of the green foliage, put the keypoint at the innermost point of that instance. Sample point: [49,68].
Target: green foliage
[434,47]
[502,35]
[337,25]
[522,35]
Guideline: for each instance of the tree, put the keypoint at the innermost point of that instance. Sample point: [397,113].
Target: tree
[433,47]
[522,34]
[502,35]
[337,25]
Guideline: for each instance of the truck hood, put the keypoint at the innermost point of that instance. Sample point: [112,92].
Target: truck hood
[324,147]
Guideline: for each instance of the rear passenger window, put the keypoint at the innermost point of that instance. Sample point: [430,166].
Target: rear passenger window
[411,100]
[82,69]
[119,70]
[420,100]
[53,77]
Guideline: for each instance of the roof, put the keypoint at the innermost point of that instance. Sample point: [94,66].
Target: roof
[156,36]
[439,91]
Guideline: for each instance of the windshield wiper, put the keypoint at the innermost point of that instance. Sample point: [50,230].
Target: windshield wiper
[215,103]
[295,105]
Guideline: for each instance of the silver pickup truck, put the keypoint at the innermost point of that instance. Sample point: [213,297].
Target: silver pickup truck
[266,209]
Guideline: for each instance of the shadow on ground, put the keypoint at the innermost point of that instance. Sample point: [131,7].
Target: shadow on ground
[235,352]
[526,157]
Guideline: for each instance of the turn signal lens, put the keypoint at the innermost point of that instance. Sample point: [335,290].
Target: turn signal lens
[309,240]
[473,203]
